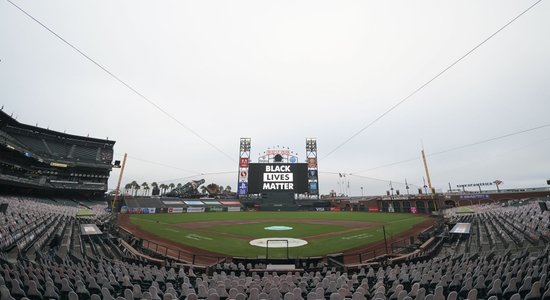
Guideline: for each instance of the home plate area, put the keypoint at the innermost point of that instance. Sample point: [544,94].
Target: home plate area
[278,242]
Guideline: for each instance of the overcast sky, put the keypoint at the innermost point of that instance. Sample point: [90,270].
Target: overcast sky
[281,71]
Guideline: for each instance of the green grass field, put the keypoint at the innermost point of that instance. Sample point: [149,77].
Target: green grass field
[233,239]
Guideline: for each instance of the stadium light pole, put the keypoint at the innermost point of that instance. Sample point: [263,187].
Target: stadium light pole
[361,192]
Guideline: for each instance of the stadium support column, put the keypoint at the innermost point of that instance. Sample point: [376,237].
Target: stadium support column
[312,167]
[244,160]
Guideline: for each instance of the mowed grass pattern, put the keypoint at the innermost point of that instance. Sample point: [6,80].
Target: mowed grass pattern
[299,230]
[165,225]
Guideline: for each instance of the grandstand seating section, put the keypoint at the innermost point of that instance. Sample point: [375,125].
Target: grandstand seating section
[493,263]
[495,227]
[60,148]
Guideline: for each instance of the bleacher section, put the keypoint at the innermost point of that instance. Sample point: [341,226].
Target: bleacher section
[500,228]
[108,267]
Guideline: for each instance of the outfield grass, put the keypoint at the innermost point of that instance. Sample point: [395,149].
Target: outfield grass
[164,225]
[256,230]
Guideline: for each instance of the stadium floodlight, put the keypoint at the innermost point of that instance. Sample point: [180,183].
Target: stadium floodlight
[245,144]
[311,144]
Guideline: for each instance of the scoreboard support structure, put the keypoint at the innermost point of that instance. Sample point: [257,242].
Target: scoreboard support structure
[312,168]
[244,160]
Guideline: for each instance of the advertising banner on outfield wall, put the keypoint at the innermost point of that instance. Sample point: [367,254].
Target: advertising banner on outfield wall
[195,209]
[373,209]
[335,209]
[173,210]
[320,209]
[233,208]
[215,208]
[413,210]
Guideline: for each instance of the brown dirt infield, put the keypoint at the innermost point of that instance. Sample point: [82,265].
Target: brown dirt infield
[203,257]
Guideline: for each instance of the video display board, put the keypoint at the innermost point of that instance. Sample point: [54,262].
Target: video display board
[277,177]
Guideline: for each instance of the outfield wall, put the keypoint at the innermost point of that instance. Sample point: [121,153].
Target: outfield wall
[178,210]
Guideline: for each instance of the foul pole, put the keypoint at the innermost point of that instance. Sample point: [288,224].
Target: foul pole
[118,183]
[426,168]
[429,179]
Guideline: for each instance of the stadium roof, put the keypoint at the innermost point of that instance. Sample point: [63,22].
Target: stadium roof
[7,120]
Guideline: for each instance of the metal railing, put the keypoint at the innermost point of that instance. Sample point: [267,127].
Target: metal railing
[181,255]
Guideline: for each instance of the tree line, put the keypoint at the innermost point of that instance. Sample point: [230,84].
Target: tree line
[134,188]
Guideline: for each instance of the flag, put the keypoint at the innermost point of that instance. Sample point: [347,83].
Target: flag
[498,182]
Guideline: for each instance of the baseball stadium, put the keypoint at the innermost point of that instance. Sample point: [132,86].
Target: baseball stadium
[276,224]
[266,150]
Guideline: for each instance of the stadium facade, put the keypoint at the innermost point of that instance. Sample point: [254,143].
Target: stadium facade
[36,160]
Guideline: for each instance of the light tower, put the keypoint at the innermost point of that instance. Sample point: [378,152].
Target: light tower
[244,160]
[312,167]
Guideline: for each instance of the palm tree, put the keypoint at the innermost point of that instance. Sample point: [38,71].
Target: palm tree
[228,189]
[134,185]
[163,187]
[171,186]
[136,188]
[145,187]
[179,185]
[127,188]
[203,190]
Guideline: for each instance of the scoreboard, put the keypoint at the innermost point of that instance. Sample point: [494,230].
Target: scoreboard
[277,177]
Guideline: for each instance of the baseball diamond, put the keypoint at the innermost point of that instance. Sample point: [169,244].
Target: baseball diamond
[230,234]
